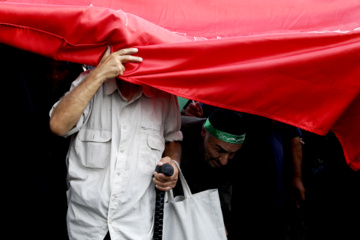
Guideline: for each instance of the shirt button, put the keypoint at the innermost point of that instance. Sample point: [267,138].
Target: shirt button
[118,173]
[121,150]
[124,127]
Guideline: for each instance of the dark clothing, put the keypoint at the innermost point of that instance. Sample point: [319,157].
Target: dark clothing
[43,210]
[107,237]
[38,157]
[267,153]
[197,172]
[260,192]
[332,196]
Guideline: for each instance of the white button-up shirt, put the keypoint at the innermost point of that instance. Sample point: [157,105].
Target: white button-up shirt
[113,153]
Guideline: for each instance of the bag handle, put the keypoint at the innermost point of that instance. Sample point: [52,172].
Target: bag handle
[185,186]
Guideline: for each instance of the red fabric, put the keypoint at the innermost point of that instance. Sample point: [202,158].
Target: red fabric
[297,62]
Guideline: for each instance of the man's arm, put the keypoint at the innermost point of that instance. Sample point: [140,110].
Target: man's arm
[66,114]
[297,183]
[172,152]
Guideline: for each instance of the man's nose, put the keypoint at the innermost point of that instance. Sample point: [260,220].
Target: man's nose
[224,159]
[55,75]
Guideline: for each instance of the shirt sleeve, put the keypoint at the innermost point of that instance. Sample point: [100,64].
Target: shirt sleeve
[173,121]
[87,110]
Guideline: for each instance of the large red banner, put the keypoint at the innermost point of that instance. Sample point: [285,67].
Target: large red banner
[297,61]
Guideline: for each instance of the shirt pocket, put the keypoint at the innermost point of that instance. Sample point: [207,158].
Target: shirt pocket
[94,147]
[151,150]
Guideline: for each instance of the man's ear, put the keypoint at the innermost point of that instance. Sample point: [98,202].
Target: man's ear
[203,133]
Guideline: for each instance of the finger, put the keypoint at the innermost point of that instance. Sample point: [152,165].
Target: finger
[106,54]
[157,178]
[302,196]
[130,58]
[126,51]
[160,178]
[192,112]
[164,189]
[166,184]
[122,69]
[125,55]
[193,106]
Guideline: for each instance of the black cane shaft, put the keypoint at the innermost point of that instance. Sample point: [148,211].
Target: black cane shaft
[159,214]
[168,170]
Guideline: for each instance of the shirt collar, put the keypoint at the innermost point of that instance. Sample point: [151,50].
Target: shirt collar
[110,86]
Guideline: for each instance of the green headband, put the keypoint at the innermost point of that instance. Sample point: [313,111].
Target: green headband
[223,136]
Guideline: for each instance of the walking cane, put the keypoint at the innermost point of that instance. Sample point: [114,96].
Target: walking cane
[168,170]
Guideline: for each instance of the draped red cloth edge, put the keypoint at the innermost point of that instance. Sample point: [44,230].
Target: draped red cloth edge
[303,77]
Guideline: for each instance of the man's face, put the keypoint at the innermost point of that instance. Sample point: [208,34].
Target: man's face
[217,152]
[56,72]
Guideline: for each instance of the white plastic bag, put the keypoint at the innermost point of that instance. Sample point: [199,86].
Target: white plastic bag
[193,216]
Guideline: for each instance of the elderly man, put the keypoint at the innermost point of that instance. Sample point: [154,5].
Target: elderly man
[208,147]
[120,131]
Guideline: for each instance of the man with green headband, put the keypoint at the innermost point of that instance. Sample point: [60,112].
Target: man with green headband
[209,147]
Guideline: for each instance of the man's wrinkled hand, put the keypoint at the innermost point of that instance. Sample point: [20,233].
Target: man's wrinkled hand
[163,182]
